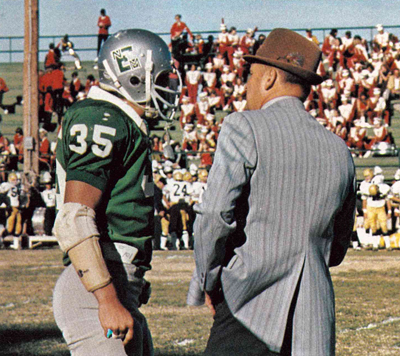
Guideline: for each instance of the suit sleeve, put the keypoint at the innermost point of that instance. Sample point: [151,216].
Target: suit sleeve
[343,227]
[195,294]
[234,162]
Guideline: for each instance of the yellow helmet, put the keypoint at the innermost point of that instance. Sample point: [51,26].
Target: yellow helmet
[373,190]
[12,177]
[187,177]
[368,172]
[177,175]
[203,174]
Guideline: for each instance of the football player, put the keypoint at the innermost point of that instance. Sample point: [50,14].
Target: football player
[49,198]
[394,196]
[200,186]
[105,198]
[374,197]
[14,193]
[177,193]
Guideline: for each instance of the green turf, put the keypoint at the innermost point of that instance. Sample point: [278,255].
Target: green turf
[366,289]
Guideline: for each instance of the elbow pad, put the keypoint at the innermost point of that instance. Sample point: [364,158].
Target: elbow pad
[77,235]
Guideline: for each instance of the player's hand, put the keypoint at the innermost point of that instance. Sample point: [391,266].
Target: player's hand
[209,304]
[113,315]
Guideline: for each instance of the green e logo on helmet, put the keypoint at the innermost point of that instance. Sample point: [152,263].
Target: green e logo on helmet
[125,59]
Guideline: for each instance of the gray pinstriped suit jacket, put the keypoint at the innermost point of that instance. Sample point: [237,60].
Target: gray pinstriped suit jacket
[278,210]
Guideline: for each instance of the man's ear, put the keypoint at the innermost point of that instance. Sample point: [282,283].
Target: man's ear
[269,78]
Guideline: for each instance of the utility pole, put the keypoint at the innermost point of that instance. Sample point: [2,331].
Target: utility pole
[31,90]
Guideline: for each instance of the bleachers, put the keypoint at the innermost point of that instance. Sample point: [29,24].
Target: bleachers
[12,73]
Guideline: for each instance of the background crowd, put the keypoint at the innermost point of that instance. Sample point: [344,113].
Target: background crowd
[361,79]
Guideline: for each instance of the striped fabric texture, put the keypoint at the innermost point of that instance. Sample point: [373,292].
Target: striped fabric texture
[278,212]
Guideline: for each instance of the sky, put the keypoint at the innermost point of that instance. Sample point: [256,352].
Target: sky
[58,17]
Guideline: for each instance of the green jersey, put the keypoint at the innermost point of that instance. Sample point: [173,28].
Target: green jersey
[104,143]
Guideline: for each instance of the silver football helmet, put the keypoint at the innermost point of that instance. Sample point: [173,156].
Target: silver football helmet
[136,63]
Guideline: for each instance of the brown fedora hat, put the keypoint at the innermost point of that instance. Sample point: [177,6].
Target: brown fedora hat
[291,52]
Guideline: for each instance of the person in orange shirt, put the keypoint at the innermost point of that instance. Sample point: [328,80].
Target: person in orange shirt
[90,81]
[103,23]
[52,56]
[247,41]
[46,89]
[177,30]
[75,86]
[19,143]
[330,47]
[44,150]
[3,89]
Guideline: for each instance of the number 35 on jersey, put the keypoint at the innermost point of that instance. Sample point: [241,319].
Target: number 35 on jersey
[102,145]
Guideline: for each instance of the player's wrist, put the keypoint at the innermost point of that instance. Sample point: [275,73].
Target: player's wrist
[106,294]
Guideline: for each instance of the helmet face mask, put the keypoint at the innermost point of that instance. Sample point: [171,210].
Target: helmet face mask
[136,64]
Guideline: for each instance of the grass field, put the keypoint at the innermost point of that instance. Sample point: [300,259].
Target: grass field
[367,284]
[367,304]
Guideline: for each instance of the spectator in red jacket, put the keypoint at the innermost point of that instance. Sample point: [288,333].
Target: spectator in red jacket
[247,41]
[103,23]
[90,82]
[46,96]
[330,47]
[52,57]
[19,143]
[177,32]
[44,150]
[75,86]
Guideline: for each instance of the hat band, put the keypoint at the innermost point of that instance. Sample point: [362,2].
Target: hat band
[294,58]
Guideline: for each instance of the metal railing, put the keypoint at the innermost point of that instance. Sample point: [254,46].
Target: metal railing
[12,47]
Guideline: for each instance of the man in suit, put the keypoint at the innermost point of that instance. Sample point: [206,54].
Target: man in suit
[278,212]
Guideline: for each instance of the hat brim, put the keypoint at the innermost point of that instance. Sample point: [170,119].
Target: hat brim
[309,76]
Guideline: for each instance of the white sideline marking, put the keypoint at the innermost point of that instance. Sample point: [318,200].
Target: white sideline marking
[372,325]
[172,257]
[184,342]
[42,267]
